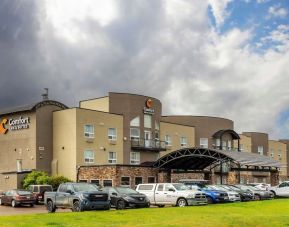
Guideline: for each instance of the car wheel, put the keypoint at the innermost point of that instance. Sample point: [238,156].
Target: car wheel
[13,203]
[161,206]
[148,205]
[76,207]
[274,194]
[31,205]
[209,200]
[120,205]
[257,197]
[50,207]
[182,202]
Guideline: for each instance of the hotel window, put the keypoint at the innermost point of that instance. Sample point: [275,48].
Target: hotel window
[229,145]
[125,181]
[272,152]
[107,183]
[184,141]
[260,150]
[151,180]
[89,131]
[97,182]
[135,122]
[204,142]
[147,121]
[82,181]
[218,143]
[134,158]
[134,134]
[157,125]
[168,140]
[112,133]
[111,157]
[88,156]
[224,145]
[137,180]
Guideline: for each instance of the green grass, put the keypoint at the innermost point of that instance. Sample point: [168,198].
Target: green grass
[259,213]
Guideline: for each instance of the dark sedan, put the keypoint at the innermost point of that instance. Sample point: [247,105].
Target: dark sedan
[17,197]
[258,194]
[122,197]
[244,195]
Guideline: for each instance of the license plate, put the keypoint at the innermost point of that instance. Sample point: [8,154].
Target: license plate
[27,197]
[226,197]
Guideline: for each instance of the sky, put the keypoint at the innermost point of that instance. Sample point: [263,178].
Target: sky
[223,58]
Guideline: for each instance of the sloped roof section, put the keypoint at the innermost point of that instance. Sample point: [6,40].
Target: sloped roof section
[200,158]
[31,107]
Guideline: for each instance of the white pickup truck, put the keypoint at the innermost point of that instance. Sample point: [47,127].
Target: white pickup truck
[176,194]
[281,189]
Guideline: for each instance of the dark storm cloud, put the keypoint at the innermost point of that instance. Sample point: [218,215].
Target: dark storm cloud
[18,52]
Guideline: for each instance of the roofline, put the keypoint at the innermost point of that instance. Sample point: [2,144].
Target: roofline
[197,116]
[256,132]
[115,165]
[122,93]
[85,100]
[88,110]
[192,126]
[34,107]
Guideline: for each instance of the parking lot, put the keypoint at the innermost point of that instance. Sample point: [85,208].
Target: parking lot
[37,209]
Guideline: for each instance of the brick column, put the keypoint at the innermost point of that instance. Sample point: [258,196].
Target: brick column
[164,176]
[210,177]
[274,178]
[232,177]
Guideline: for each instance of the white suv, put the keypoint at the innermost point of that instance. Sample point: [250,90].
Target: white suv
[281,189]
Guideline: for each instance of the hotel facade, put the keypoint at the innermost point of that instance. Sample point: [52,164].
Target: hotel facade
[123,139]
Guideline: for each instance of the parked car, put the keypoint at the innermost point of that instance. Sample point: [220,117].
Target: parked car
[244,195]
[258,194]
[17,197]
[175,194]
[233,196]
[281,190]
[261,186]
[212,195]
[39,190]
[122,197]
[77,197]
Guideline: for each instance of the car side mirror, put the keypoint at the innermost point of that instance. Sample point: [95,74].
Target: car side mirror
[69,191]
[171,190]
[114,193]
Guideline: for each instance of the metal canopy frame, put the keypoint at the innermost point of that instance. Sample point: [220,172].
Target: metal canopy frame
[197,158]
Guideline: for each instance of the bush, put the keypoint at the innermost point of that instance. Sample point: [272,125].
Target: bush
[40,177]
[32,178]
[55,181]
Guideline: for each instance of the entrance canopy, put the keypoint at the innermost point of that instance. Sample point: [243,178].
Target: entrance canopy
[200,158]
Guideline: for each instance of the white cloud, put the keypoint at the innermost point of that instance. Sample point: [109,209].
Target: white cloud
[219,10]
[277,11]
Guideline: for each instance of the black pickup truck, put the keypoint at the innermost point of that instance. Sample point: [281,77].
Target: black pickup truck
[77,197]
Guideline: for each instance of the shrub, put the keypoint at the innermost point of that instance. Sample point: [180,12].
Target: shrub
[32,178]
[55,181]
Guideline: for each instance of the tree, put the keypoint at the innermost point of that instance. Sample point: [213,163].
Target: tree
[32,178]
[40,177]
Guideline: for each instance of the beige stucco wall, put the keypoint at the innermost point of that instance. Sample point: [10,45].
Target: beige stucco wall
[64,143]
[100,104]
[100,144]
[68,133]
[19,144]
[245,143]
[276,148]
[176,131]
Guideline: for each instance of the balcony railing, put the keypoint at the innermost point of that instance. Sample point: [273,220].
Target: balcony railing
[148,145]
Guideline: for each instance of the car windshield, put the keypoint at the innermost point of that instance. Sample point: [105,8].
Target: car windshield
[23,192]
[216,187]
[123,190]
[207,187]
[247,187]
[84,187]
[226,187]
[233,187]
[181,187]
[45,188]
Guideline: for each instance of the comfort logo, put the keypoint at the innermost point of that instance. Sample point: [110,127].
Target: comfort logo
[3,130]
[149,103]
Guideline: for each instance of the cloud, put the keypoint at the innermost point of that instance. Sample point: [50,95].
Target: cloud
[165,49]
[277,11]
[219,10]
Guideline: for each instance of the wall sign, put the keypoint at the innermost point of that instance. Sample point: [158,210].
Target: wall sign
[14,124]
[148,108]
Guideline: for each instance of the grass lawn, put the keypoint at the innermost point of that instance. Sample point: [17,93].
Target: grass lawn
[258,213]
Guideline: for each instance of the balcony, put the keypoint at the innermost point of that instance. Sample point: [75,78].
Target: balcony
[148,145]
